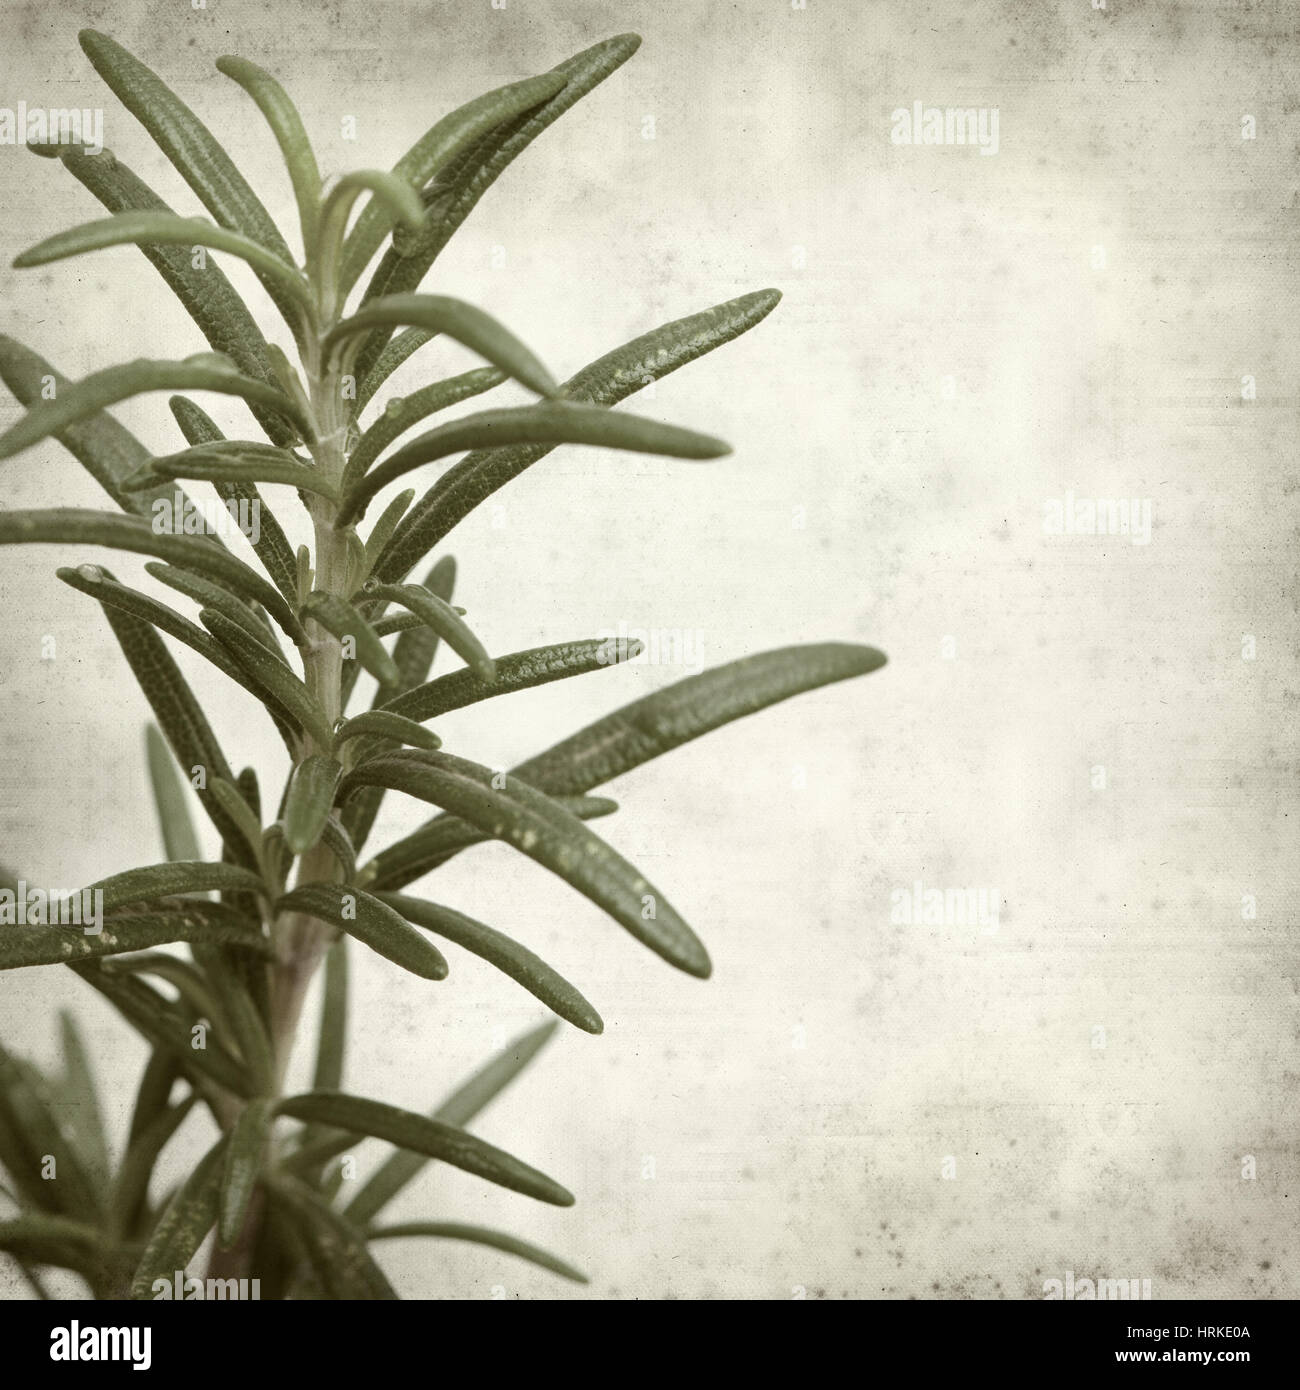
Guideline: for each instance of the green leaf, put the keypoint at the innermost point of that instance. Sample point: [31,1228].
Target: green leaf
[242,1167]
[518,671]
[172,880]
[100,585]
[154,1091]
[463,180]
[152,228]
[109,452]
[460,321]
[657,723]
[271,546]
[287,127]
[373,923]
[378,723]
[432,1138]
[183,1225]
[27,1113]
[441,143]
[603,382]
[232,802]
[336,1250]
[481,1235]
[458,1109]
[338,616]
[208,296]
[190,146]
[58,1241]
[550,422]
[236,461]
[169,1025]
[331,1049]
[209,595]
[130,1188]
[190,983]
[388,361]
[202,372]
[74,526]
[140,930]
[443,619]
[80,1100]
[393,197]
[521,964]
[401,412]
[438,839]
[311,796]
[544,831]
[170,801]
[383,529]
[278,684]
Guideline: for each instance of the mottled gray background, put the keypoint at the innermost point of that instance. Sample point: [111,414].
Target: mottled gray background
[947,359]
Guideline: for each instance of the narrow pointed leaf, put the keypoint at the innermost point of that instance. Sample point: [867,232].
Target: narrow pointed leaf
[166,229]
[339,617]
[402,412]
[603,382]
[336,1250]
[181,1228]
[521,964]
[459,1108]
[74,526]
[481,1235]
[378,723]
[432,1138]
[336,839]
[437,840]
[208,296]
[442,142]
[27,1110]
[209,595]
[311,796]
[99,584]
[79,1098]
[655,724]
[203,372]
[393,200]
[130,1187]
[331,1049]
[153,1094]
[242,1166]
[544,831]
[170,801]
[172,880]
[373,923]
[517,671]
[287,127]
[109,452]
[409,340]
[460,321]
[283,689]
[550,423]
[245,818]
[444,620]
[189,144]
[138,930]
[237,461]
[271,544]
[463,180]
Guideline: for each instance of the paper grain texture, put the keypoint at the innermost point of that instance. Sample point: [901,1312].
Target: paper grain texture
[1025,420]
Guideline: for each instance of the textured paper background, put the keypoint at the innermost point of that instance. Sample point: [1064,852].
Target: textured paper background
[947,359]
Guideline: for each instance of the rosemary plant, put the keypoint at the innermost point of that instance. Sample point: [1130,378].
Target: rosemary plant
[286,892]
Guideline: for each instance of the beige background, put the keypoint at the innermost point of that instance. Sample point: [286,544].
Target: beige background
[946,360]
